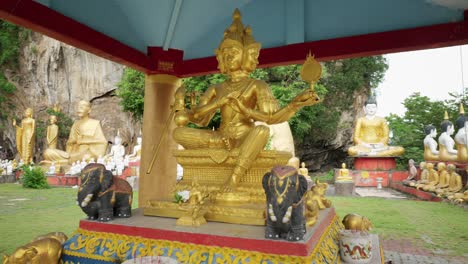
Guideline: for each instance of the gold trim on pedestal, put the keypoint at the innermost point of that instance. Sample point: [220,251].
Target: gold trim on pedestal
[109,246]
[253,214]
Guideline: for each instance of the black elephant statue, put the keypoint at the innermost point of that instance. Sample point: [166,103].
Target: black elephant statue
[285,189]
[102,196]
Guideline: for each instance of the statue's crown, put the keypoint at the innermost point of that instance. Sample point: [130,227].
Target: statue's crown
[238,33]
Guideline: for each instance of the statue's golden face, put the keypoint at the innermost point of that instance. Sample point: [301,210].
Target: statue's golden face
[28,112]
[232,58]
[82,109]
[250,59]
[53,119]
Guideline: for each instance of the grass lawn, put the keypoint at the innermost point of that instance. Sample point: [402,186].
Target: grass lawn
[26,213]
[433,225]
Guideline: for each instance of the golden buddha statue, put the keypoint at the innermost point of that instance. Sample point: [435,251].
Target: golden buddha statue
[343,174]
[86,139]
[52,132]
[446,143]
[424,175]
[455,181]
[25,136]
[432,176]
[304,171]
[459,197]
[241,100]
[461,138]
[371,135]
[444,178]
[430,144]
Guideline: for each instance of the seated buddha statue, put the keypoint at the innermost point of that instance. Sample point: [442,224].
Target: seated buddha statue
[86,139]
[304,171]
[117,150]
[444,178]
[455,182]
[430,144]
[461,138]
[241,101]
[343,174]
[446,142]
[371,135]
[136,153]
[423,179]
[432,176]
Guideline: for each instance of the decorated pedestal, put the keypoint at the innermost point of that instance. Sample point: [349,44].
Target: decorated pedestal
[140,236]
[211,167]
[374,171]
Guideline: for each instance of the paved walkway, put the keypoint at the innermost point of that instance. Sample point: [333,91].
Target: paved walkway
[404,251]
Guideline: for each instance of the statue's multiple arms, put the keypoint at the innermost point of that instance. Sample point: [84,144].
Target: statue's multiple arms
[272,116]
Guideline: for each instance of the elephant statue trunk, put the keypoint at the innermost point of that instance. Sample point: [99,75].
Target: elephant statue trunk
[102,196]
[285,189]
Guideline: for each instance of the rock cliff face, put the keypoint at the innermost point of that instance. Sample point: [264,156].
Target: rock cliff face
[52,72]
[327,155]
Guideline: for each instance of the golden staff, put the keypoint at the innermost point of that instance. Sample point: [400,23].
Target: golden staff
[161,139]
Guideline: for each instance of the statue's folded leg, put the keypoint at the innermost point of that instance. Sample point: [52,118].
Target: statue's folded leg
[56,155]
[251,146]
[191,138]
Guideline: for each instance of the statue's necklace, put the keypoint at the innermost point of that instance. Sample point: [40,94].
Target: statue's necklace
[279,196]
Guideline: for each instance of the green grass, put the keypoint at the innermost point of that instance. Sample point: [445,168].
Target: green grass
[433,225]
[44,211]
[55,209]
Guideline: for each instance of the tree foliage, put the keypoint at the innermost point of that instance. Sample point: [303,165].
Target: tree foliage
[408,130]
[337,86]
[131,89]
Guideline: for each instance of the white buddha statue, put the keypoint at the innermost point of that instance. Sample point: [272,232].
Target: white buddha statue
[117,151]
[447,152]
[430,144]
[461,138]
[136,154]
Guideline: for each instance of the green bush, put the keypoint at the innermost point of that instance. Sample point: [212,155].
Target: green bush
[34,177]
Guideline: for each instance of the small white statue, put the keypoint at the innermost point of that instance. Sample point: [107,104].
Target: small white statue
[136,154]
[180,172]
[52,168]
[117,151]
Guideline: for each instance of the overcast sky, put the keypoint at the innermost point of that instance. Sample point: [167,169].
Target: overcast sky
[432,72]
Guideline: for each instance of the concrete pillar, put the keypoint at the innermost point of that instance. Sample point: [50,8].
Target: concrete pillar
[156,183]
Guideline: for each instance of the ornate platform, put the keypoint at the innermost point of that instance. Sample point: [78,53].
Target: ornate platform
[139,236]
[246,205]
